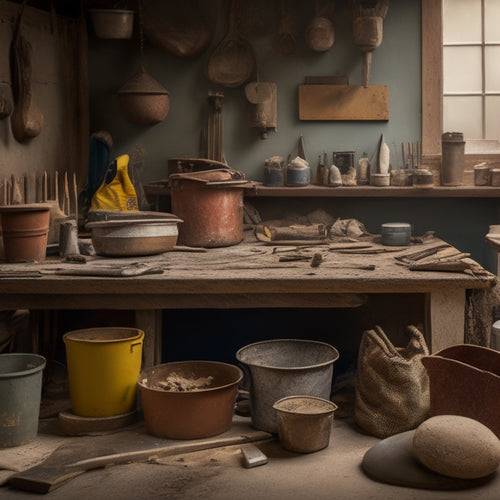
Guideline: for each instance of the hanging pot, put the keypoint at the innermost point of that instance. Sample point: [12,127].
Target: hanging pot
[143,100]
[113,23]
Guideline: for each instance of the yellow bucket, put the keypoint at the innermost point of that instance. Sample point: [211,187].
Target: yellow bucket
[103,369]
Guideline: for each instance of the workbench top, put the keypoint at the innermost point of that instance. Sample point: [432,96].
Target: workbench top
[251,268]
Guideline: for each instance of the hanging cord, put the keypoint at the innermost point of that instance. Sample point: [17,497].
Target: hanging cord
[141,33]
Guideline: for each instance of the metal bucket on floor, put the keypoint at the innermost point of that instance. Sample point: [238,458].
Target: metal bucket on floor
[20,394]
[285,367]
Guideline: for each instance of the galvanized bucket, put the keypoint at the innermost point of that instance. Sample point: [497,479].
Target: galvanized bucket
[285,367]
[20,393]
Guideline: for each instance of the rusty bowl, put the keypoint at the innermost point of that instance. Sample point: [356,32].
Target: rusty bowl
[189,414]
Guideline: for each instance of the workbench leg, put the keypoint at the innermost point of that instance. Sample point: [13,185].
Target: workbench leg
[445,318]
[150,322]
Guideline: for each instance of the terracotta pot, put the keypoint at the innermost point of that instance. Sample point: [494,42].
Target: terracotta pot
[24,230]
[189,414]
[465,380]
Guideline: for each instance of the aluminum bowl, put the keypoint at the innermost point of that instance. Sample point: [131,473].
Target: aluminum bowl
[121,238]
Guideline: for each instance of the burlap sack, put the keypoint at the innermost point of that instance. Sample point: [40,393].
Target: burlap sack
[392,385]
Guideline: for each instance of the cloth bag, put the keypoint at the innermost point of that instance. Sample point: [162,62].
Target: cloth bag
[392,385]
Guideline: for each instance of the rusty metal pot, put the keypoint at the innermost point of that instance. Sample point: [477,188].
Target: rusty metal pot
[211,205]
[143,100]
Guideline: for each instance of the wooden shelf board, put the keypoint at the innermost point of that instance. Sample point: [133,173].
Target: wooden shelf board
[313,191]
[376,192]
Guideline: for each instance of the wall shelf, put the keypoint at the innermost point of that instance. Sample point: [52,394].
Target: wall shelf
[374,192]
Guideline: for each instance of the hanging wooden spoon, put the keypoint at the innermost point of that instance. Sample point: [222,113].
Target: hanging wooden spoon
[232,62]
[26,120]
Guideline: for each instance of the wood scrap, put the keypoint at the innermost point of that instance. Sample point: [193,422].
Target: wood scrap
[363,267]
[296,232]
[297,256]
[421,253]
[128,270]
[366,251]
[449,266]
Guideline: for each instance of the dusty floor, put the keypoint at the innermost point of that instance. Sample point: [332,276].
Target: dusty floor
[219,474]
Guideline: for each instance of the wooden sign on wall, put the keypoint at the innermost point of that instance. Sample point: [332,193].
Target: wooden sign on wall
[344,102]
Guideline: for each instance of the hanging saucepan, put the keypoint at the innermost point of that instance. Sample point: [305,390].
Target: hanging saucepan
[143,100]
[184,29]
[232,62]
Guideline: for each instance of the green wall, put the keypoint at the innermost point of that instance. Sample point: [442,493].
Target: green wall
[396,63]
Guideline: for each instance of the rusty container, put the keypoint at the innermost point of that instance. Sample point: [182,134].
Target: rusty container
[464,380]
[211,206]
[174,410]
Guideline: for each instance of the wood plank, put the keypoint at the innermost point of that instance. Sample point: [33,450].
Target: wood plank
[432,77]
[90,452]
[344,102]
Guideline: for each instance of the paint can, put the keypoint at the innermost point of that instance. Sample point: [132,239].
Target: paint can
[396,234]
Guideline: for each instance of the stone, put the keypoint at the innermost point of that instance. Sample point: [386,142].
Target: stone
[392,461]
[457,446]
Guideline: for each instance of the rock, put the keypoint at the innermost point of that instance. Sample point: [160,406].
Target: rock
[456,446]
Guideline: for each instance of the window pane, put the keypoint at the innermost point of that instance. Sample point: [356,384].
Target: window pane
[463,114]
[462,69]
[491,24]
[461,21]
[492,117]
[492,69]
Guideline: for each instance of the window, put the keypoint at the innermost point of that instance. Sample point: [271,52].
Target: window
[471,73]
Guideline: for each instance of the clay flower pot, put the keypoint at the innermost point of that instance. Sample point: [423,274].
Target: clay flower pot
[24,231]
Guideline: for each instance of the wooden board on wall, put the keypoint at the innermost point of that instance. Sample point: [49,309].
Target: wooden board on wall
[343,102]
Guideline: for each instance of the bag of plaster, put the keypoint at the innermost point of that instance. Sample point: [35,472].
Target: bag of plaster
[392,385]
[116,191]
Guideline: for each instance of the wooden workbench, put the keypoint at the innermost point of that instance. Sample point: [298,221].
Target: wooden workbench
[248,275]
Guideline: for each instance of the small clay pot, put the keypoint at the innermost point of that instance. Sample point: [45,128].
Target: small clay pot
[24,230]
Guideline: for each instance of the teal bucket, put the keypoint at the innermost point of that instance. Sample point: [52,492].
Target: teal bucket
[20,395]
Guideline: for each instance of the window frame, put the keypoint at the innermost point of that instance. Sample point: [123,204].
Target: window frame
[432,85]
